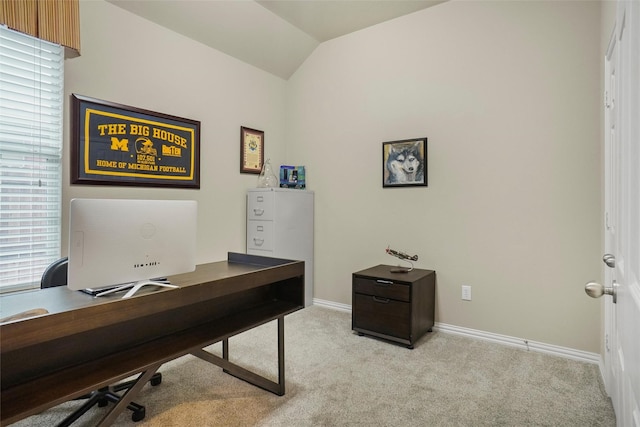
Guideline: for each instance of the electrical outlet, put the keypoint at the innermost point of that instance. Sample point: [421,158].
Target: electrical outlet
[466,292]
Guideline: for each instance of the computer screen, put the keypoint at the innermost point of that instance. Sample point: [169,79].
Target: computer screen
[118,241]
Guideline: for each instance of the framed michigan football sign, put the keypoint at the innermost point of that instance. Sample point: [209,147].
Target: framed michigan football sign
[113,144]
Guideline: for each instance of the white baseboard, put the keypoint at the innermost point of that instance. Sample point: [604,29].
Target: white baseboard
[332,305]
[554,350]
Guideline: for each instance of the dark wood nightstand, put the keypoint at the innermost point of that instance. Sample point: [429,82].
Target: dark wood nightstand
[394,306]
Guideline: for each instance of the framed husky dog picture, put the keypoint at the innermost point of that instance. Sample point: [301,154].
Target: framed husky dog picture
[404,163]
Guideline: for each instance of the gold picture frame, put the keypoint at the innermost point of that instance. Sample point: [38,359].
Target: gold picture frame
[251,150]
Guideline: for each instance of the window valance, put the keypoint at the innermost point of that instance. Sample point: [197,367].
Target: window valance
[56,21]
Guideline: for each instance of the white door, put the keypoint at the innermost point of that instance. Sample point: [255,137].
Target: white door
[622,216]
[610,215]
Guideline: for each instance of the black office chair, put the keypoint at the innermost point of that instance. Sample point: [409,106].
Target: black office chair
[56,275]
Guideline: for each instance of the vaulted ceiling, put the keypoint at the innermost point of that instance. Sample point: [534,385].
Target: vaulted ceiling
[276,36]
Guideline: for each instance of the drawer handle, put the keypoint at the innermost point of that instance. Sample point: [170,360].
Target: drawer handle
[384,282]
[381,300]
[258,212]
[258,242]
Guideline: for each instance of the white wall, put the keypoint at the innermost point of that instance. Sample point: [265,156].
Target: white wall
[131,61]
[508,94]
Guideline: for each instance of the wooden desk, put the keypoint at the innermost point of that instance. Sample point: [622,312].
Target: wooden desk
[85,343]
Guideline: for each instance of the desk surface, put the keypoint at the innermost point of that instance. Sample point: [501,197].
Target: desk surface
[60,299]
[76,312]
[85,343]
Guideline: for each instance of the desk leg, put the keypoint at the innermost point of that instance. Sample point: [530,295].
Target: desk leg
[128,396]
[244,374]
[281,355]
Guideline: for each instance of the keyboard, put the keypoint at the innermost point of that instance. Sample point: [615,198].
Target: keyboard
[95,291]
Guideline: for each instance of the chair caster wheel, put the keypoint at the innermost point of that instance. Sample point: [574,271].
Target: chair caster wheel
[156,381]
[102,403]
[138,415]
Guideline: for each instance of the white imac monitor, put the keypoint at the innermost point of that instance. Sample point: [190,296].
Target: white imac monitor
[129,242]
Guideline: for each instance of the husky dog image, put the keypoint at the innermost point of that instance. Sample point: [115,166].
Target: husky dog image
[405,164]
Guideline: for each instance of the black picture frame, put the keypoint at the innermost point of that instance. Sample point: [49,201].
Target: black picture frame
[115,144]
[404,163]
[251,150]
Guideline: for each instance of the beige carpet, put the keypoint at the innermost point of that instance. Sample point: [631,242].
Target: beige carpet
[336,378]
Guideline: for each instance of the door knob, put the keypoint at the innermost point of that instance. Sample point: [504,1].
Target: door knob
[610,260]
[596,290]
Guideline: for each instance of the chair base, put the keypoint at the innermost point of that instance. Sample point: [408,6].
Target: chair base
[103,396]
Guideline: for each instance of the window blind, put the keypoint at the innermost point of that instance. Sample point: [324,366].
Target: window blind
[31,111]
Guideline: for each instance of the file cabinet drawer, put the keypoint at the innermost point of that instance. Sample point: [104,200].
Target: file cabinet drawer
[260,235]
[260,206]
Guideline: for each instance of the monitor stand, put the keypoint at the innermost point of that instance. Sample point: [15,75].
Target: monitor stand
[135,287]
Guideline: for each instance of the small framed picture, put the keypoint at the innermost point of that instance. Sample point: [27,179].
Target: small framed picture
[251,150]
[404,163]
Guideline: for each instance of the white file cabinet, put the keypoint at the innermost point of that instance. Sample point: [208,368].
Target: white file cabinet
[280,225]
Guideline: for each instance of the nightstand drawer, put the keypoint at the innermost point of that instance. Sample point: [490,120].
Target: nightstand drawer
[382,288]
[383,315]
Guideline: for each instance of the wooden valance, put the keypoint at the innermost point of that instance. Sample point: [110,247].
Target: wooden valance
[56,21]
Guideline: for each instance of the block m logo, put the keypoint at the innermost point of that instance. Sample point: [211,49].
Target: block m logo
[119,144]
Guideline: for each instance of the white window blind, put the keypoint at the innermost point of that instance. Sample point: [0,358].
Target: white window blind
[31,111]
